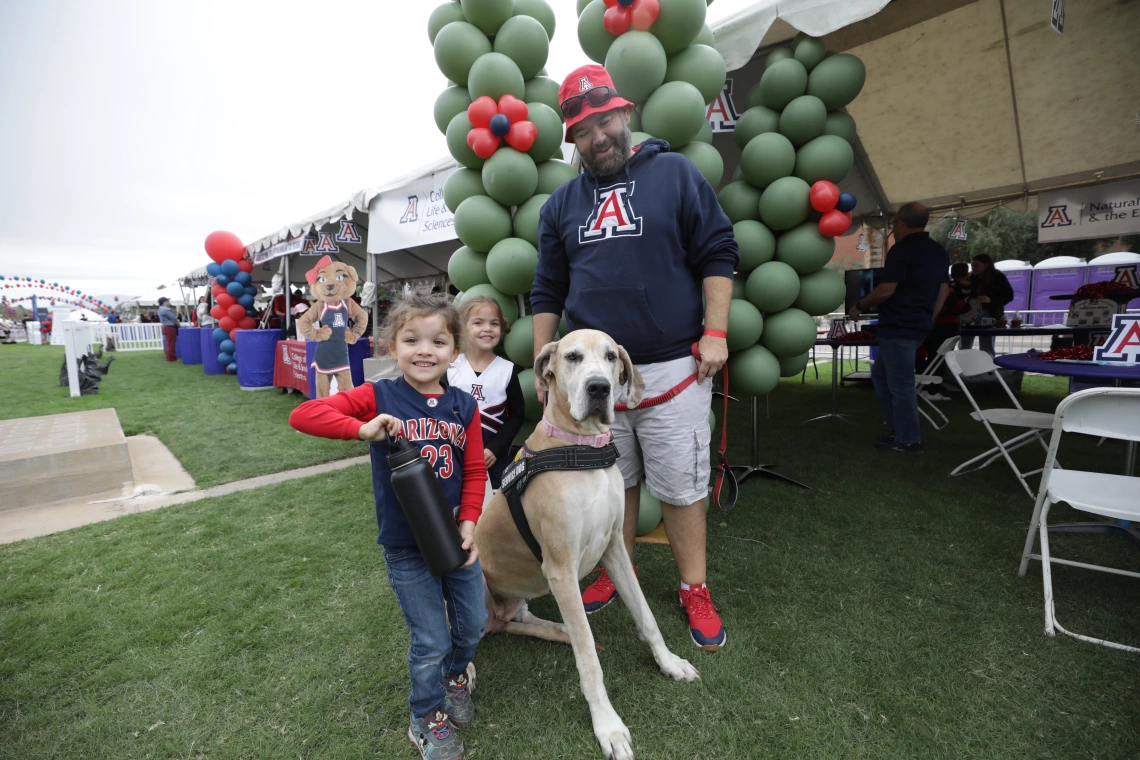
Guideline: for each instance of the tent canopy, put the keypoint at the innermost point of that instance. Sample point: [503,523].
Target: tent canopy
[972,102]
[172,291]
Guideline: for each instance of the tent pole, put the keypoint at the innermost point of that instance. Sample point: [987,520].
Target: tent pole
[375,297]
[288,311]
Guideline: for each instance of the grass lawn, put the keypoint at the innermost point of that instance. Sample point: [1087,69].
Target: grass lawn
[218,431]
[878,615]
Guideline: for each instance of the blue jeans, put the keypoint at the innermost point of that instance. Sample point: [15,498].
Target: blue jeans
[893,377]
[445,616]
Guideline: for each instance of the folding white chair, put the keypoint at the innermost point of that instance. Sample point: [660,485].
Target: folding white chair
[1109,412]
[974,363]
[930,376]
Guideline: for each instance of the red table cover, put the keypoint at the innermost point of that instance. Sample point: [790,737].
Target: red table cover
[290,368]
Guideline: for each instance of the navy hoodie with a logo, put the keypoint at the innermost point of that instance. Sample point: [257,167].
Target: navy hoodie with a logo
[627,254]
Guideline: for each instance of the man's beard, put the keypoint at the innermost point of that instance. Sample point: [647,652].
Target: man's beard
[615,162]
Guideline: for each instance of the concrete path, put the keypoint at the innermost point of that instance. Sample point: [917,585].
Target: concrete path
[165,484]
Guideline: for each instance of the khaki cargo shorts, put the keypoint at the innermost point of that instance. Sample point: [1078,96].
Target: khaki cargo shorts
[667,445]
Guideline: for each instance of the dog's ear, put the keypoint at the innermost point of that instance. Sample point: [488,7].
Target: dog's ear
[352,273]
[544,364]
[631,378]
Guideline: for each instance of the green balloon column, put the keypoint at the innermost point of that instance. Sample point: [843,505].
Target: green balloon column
[503,126]
[795,143]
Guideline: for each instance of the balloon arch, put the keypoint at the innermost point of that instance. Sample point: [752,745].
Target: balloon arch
[54,292]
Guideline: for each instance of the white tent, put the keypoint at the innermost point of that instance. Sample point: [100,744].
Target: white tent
[172,291]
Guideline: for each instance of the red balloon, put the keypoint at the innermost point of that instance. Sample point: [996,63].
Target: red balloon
[245,265]
[645,13]
[233,334]
[824,195]
[217,290]
[226,322]
[513,108]
[218,311]
[247,323]
[482,142]
[224,246]
[834,223]
[479,113]
[522,135]
[237,311]
[225,300]
[616,20]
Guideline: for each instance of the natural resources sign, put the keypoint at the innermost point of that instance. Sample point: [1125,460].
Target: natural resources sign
[410,216]
[1100,211]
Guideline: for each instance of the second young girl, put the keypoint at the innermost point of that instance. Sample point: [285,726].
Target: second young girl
[444,615]
[491,380]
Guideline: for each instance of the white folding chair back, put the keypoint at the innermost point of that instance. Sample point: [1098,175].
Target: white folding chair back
[931,376]
[974,363]
[1109,412]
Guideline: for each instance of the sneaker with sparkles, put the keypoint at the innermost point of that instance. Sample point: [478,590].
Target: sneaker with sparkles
[435,737]
[458,703]
[705,628]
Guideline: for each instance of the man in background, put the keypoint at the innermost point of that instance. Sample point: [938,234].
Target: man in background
[910,292]
[169,321]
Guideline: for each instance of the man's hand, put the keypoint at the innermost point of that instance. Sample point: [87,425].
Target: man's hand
[714,353]
[467,533]
[381,427]
[488,458]
[983,299]
[855,312]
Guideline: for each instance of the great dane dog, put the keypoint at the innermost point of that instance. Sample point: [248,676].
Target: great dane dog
[576,517]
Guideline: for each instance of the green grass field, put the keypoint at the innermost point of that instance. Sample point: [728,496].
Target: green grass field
[878,615]
[218,431]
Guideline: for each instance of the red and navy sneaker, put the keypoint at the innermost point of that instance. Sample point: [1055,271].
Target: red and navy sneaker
[599,593]
[705,627]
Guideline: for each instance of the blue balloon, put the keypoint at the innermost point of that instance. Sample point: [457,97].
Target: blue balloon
[219,335]
[213,269]
[251,312]
[251,289]
[229,267]
[235,289]
[246,300]
[231,368]
[225,358]
[226,347]
[222,280]
[846,202]
[244,278]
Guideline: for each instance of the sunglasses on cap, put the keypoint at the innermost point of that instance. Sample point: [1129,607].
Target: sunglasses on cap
[596,97]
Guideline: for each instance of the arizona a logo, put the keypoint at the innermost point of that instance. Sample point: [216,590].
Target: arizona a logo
[1123,345]
[1127,275]
[412,212]
[477,393]
[612,215]
[721,112]
[325,244]
[338,320]
[1058,216]
[584,84]
[347,232]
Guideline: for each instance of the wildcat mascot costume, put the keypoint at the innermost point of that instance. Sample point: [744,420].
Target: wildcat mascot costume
[335,322]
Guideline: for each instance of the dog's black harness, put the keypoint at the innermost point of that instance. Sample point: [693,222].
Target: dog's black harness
[530,463]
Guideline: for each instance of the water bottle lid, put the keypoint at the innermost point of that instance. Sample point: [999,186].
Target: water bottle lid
[403,453]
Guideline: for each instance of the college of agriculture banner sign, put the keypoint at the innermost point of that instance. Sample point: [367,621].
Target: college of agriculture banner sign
[411,215]
[1089,212]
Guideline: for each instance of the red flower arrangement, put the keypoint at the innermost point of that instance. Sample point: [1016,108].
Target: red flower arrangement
[495,122]
[621,14]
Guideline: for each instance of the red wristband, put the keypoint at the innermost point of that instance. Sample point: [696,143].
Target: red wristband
[715,334]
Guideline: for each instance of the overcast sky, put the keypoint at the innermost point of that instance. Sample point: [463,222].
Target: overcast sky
[130,129]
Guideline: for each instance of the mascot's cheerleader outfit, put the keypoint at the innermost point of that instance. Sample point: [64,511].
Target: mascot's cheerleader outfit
[331,355]
[501,406]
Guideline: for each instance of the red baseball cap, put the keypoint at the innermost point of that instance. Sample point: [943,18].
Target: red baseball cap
[580,81]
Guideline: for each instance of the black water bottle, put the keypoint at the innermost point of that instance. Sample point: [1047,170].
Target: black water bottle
[428,512]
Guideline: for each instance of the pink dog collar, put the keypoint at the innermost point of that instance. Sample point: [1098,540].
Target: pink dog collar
[596,441]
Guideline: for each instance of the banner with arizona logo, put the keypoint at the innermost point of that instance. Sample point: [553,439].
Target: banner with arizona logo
[1081,213]
[411,215]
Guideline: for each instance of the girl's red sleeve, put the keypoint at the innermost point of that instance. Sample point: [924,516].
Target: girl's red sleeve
[474,472]
[339,416]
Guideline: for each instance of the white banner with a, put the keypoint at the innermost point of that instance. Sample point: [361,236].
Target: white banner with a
[411,215]
[1099,211]
[281,249]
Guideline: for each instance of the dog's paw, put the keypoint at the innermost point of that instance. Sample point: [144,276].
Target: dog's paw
[679,669]
[614,737]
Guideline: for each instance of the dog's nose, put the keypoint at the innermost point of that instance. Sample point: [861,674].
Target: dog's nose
[598,388]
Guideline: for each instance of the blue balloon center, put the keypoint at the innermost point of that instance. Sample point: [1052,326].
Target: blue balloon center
[500,125]
[625,3]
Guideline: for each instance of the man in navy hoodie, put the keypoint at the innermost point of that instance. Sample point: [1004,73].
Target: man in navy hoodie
[629,247]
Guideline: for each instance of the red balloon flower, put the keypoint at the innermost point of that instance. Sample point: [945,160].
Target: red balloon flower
[494,122]
[824,195]
[622,13]
[834,222]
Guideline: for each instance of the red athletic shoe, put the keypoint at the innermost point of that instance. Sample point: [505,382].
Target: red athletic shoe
[601,592]
[705,627]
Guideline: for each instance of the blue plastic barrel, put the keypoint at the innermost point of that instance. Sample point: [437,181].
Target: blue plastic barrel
[191,339]
[179,338]
[210,353]
[256,353]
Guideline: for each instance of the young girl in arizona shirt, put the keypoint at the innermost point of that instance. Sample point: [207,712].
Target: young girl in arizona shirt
[444,615]
[491,380]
